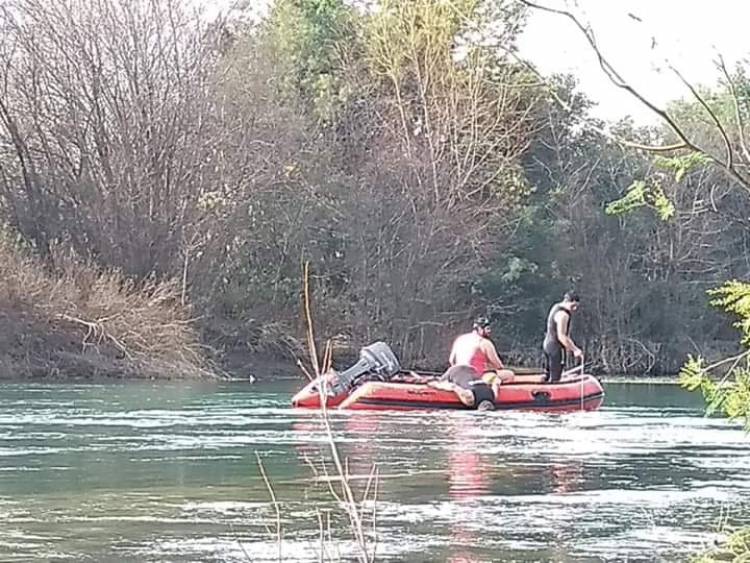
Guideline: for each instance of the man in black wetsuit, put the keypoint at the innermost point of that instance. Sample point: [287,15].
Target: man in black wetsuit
[557,338]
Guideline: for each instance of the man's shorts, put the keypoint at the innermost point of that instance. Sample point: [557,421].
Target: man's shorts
[468,378]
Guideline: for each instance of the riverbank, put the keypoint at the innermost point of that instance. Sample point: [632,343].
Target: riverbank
[78,321]
[644,380]
[236,366]
[266,367]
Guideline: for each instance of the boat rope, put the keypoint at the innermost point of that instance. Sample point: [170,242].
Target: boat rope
[583,371]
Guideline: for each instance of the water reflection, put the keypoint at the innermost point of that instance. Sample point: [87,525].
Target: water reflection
[362,453]
[468,469]
[468,478]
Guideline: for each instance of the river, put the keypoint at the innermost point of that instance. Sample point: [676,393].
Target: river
[142,472]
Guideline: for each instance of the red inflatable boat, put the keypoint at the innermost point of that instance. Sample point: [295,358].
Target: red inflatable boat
[378,382]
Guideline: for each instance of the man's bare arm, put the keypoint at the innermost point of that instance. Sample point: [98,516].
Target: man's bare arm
[561,321]
[491,353]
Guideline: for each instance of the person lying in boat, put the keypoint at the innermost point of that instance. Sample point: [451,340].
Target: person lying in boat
[468,386]
[476,371]
[557,337]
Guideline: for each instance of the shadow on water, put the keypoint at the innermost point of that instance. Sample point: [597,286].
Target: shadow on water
[153,473]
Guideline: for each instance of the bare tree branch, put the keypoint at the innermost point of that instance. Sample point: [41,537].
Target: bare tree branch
[612,73]
[590,122]
[737,110]
[727,164]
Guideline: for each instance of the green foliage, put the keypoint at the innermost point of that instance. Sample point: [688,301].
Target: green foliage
[641,194]
[693,377]
[731,394]
[422,172]
[734,297]
[681,165]
[308,37]
[516,268]
[650,192]
[736,403]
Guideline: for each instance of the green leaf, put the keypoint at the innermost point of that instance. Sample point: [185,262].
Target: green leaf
[633,199]
[691,376]
[680,175]
[640,194]
[732,395]
[681,165]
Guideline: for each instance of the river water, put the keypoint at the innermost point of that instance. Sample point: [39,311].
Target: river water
[141,472]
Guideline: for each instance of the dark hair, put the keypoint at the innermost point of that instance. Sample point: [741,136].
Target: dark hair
[481,322]
[572,296]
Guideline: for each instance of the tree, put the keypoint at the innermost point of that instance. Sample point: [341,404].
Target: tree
[105,106]
[712,131]
[411,150]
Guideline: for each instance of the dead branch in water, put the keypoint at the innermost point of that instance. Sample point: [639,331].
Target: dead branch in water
[277,509]
[311,348]
[304,370]
[347,496]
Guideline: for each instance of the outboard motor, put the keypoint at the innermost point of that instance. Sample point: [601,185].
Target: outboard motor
[376,358]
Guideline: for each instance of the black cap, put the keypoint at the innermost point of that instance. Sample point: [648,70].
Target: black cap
[481,322]
[572,296]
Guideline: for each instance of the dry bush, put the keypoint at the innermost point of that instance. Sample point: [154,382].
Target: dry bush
[82,322]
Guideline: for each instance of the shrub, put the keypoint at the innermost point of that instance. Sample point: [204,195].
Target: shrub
[80,321]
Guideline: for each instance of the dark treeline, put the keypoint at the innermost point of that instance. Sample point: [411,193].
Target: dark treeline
[424,173]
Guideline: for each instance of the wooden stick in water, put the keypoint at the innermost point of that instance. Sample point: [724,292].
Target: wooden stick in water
[312,349]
